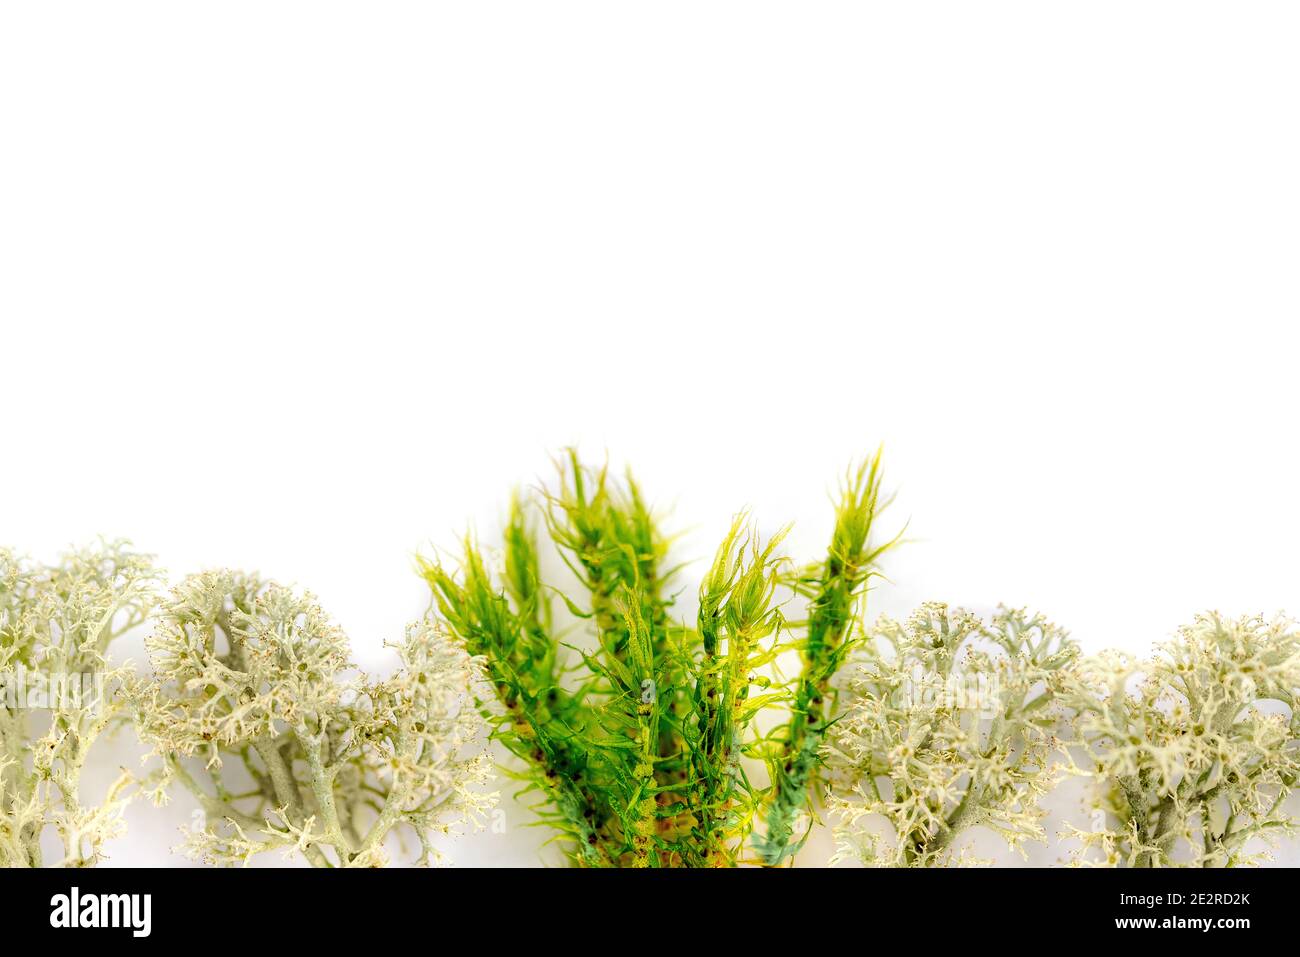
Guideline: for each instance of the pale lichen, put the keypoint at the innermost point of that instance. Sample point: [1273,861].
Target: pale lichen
[256,708]
[948,724]
[1193,752]
[59,692]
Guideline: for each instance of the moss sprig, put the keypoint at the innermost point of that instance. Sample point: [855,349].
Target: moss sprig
[836,590]
[635,738]
[738,625]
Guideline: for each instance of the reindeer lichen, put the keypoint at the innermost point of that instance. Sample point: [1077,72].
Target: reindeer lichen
[256,709]
[1194,751]
[948,725]
[59,692]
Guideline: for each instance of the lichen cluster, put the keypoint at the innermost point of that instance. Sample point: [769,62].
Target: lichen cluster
[1193,752]
[948,724]
[255,707]
[60,694]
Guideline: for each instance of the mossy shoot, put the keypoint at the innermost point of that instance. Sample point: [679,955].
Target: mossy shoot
[638,731]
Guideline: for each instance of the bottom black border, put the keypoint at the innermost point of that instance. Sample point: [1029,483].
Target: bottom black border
[937,906]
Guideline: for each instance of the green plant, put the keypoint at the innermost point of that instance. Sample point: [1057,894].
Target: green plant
[738,626]
[59,692]
[295,751]
[836,590]
[638,740]
[948,725]
[1194,751]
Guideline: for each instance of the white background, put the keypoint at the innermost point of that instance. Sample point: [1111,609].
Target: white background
[306,287]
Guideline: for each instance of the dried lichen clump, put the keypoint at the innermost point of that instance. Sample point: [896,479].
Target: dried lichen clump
[295,751]
[949,724]
[59,692]
[636,740]
[1194,751]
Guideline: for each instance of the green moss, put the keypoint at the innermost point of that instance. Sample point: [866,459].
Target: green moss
[635,741]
